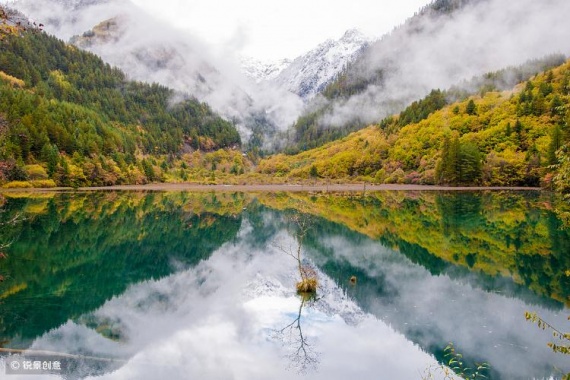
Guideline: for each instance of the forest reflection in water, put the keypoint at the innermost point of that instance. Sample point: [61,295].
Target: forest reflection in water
[193,280]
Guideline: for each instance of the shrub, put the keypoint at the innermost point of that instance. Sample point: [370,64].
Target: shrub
[36,172]
[17,185]
[396,177]
[43,183]
[307,285]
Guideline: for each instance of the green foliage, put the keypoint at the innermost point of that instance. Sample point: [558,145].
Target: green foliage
[456,362]
[148,170]
[349,82]
[420,110]
[460,164]
[562,178]
[88,247]
[563,339]
[455,366]
[310,132]
[59,104]
[496,142]
[314,172]
[471,108]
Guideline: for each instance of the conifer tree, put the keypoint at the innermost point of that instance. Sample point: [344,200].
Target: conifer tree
[555,144]
[471,108]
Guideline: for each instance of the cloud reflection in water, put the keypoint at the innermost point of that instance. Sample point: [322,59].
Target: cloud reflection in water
[216,320]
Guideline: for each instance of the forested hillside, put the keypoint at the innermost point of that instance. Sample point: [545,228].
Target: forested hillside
[445,43]
[311,131]
[67,117]
[516,137]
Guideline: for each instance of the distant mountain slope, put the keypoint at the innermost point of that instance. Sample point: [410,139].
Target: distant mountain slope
[149,50]
[502,138]
[263,71]
[76,116]
[445,43]
[310,73]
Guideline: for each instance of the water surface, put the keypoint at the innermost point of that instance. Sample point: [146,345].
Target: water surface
[188,285]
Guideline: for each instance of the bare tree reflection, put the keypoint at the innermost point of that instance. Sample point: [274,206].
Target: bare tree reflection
[6,222]
[302,356]
[309,282]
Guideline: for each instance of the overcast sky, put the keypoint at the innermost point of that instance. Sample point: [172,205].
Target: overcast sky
[270,30]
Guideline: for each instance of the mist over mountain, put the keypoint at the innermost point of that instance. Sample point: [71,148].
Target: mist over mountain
[261,71]
[445,43]
[310,73]
[152,51]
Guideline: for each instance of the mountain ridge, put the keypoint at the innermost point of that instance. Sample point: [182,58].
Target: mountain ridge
[444,43]
[176,59]
[67,118]
[263,71]
[512,138]
[309,74]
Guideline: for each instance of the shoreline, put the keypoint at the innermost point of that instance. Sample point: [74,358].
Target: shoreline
[274,188]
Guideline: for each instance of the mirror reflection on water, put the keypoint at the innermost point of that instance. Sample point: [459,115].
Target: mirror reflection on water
[196,285]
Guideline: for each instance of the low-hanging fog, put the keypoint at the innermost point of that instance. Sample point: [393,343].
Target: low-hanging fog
[152,51]
[430,52]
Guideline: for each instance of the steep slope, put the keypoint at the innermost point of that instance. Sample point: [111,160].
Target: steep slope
[152,51]
[445,43]
[310,73]
[263,71]
[502,138]
[84,123]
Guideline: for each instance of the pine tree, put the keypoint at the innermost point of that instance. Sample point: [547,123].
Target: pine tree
[555,144]
[313,172]
[470,162]
[447,171]
[471,108]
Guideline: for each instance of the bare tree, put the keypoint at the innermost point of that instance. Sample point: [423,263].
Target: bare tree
[309,281]
[4,224]
[301,354]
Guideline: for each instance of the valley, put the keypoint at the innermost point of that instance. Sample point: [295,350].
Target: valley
[506,128]
[190,190]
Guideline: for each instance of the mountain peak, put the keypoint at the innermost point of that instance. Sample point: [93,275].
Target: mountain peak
[310,73]
[353,35]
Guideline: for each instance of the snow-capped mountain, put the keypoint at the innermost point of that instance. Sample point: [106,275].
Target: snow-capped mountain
[310,73]
[263,71]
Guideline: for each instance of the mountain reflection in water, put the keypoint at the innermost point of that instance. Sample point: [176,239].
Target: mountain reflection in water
[189,285]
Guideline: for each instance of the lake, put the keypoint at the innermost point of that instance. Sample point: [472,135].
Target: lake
[182,285]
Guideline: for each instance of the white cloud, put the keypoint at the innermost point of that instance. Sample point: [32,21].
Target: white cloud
[151,49]
[480,38]
[218,321]
[271,30]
